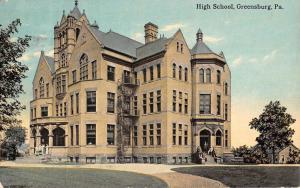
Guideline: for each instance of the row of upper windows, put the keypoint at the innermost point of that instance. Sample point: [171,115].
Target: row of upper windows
[178,133]
[150,100]
[43,92]
[151,73]
[181,75]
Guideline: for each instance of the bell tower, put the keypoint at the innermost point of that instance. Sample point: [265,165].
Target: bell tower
[65,36]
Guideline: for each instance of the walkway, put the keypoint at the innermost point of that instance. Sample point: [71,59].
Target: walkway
[164,172]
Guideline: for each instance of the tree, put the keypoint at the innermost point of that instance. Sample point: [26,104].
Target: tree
[274,128]
[14,138]
[11,74]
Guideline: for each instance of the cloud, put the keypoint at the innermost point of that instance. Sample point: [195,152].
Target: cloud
[138,36]
[3,1]
[211,39]
[38,39]
[29,56]
[172,27]
[237,61]
[268,58]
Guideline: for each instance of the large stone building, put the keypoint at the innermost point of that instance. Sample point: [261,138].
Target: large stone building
[105,97]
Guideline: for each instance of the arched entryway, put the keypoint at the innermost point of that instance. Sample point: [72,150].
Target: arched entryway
[205,140]
[44,137]
[58,137]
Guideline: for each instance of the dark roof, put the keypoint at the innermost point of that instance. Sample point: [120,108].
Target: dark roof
[50,62]
[75,13]
[151,48]
[201,48]
[117,42]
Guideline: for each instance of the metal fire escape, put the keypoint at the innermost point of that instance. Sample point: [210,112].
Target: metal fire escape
[127,113]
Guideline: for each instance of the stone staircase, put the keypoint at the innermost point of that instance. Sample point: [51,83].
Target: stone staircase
[210,160]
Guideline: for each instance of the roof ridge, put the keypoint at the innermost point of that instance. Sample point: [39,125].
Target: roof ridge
[152,42]
[123,36]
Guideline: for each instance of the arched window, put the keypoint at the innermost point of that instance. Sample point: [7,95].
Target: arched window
[218,138]
[226,89]
[44,137]
[42,88]
[201,76]
[218,77]
[58,137]
[180,72]
[174,70]
[84,67]
[208,76]
[186,74]
[77,33]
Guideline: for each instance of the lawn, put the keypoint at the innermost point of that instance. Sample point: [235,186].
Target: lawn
[73,178]
[248,176]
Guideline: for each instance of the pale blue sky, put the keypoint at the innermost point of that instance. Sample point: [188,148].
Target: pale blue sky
[261,47]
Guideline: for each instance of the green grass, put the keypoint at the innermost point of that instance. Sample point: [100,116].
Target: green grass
[73,178]
[248,176]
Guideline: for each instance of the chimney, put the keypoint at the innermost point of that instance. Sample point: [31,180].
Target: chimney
[151,31]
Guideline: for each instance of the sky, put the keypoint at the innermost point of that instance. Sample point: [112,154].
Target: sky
[262,47]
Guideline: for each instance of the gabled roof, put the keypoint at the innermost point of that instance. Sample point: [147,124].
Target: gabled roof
[201,48]
[151,48]
[75,13]
[117,42]
[50,62]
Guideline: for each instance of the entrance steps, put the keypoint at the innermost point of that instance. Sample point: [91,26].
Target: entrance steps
[210,160]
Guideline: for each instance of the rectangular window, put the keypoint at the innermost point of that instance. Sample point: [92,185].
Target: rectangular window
[77,103]
[58,84]
[126,76]
[135,105]
[34,112]
[186,103]
[158,134]
[218,104]
[145,103]
[158,70]
[44,111]
[31,113]
[91,101]
[47,90]
[151,73]
[205,103]
[226,138]
[144,135]
[181,48]
[180,102]
[110,102]
[65,109]
[185,135]
[72,103]
[63,83]
[158,100]
[71,130]
[145,75]
[94,70]
[91,134]
[35,94]
[57,110]
[226,112]
[111,73]
[84,71]
[180,134]
[151,100]
[74,76]
[177,46]
[151,133]
[61,109]
[174,100]
[174,133]
[110,134]
[77,134]
[135,135]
